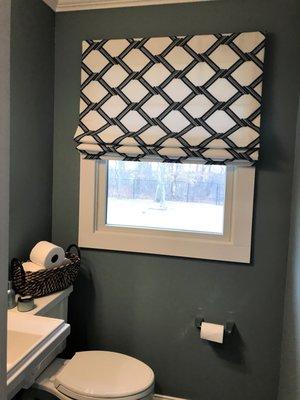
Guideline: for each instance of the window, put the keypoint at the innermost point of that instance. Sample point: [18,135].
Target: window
[190,210]
[181,197]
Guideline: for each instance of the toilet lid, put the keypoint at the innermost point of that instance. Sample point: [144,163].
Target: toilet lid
[103,374]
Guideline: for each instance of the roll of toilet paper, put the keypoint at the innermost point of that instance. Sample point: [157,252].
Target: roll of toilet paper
[212,332]
[31,267]
[47,255]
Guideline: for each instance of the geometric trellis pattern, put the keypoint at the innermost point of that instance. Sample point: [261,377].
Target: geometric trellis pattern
[173,99]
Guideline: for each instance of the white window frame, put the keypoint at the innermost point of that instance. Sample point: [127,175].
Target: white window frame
[234,245]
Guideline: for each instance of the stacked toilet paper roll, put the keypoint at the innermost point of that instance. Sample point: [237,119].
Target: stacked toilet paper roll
[29,266]
[45,255]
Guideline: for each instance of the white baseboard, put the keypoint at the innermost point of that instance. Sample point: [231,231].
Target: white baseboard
[161,397]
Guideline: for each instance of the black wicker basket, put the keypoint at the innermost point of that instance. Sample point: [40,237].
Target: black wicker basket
[46,281]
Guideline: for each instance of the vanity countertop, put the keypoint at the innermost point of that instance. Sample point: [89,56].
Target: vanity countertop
[42,304]
[35,338]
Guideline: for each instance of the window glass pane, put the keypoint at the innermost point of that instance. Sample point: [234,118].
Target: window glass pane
[185,197]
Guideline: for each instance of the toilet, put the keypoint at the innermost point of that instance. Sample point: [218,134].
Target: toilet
[100,375]
[94,375]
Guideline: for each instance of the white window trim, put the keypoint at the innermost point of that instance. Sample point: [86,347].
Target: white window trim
[234,245]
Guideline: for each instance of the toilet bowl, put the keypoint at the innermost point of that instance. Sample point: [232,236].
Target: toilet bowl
[98,375]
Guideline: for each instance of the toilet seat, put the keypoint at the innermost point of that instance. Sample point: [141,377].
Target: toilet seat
[103,375]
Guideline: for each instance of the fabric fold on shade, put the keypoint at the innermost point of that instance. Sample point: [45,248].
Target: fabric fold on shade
[172,99]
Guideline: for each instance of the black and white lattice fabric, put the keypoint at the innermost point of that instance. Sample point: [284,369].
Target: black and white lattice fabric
[182,99]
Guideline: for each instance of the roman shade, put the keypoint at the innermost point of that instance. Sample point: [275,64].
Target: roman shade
[173,99]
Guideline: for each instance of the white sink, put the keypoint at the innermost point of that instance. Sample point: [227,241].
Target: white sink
[32,343]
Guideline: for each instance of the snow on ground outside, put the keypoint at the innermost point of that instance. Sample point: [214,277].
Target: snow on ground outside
[199,217]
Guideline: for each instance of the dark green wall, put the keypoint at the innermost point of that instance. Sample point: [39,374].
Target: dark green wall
[32,92]
[145,305]
[289,388]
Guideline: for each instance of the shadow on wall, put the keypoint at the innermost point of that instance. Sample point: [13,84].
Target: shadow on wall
[232,351]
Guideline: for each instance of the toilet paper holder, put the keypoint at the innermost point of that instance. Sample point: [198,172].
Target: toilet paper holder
[228,326]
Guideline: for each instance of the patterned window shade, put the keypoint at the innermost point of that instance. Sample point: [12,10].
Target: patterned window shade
[182,99]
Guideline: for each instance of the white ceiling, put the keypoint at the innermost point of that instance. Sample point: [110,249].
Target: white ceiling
[76,5]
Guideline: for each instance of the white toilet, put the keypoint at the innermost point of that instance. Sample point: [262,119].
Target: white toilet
[99,375]
[95,375]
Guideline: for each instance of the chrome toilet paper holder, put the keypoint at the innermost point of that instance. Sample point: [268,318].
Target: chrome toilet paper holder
[228,326]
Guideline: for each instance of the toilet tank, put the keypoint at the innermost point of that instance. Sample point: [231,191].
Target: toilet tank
[54,305]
